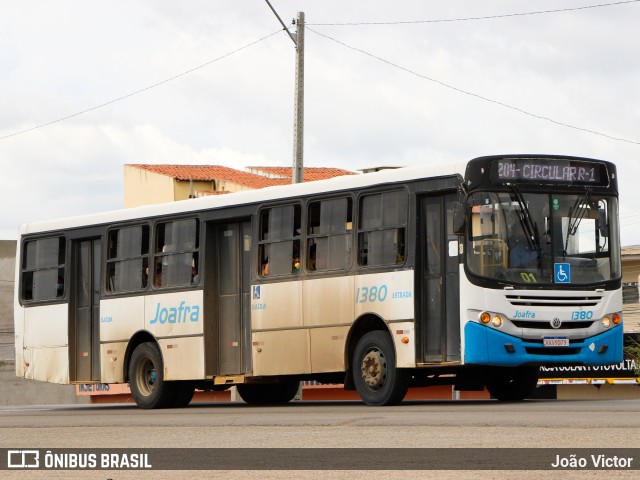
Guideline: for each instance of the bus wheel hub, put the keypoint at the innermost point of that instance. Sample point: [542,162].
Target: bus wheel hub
[373,369]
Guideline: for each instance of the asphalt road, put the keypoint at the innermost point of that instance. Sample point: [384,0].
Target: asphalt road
[551,424]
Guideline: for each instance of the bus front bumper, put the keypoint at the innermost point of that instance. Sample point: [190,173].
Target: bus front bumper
[487,346]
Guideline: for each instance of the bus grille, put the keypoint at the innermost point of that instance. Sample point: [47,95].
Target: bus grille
[568,325]
[552,351]
[535,301]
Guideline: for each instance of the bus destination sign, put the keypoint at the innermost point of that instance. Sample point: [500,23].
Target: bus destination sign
[547,170]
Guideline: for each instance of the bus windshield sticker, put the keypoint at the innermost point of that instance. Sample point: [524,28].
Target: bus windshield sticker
[562,273]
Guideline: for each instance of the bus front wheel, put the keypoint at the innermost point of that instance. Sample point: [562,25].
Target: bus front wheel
[376,377]
[512,384]
[146,378]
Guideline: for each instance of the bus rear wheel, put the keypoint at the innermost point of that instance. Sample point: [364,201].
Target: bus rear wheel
[268,393]
[146,378]
[376,377]
[182,393]
[512,384]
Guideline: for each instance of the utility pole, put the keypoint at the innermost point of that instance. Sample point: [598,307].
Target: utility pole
[298,114]
[298,117]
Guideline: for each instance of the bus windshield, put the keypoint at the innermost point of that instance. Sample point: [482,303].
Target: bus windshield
[533,238]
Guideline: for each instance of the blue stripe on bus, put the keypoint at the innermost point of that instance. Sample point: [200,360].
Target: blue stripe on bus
[487,346]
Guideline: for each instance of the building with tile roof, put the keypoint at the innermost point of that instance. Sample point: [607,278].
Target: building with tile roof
[146,184]
[309,173]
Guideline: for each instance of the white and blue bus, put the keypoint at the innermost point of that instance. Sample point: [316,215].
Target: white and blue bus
[470,275]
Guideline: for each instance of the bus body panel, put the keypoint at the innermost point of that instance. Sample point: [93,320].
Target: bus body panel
[276,305]
[405,350]
[47,364]
[334,302]
[46,344]
[112,356]
[46,326]
[281,352]
[389,295]
[327,348]
[176,313]
[471,305]
[121,317]
[328,301]
[183,357]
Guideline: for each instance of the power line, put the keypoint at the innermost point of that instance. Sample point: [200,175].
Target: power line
[467,19]
[472,94]
[129,95]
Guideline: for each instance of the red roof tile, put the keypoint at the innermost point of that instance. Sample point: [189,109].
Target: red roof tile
[264,176]
[204,173]
[309,174]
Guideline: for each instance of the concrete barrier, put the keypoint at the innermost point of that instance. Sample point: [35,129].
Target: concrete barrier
[18,391]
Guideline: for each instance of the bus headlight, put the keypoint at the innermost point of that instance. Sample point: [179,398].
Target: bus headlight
[493,318]
[616,318]
[606,322]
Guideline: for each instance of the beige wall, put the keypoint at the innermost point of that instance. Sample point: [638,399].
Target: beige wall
[142,187]
[183,189]
[630,270]
[229,186]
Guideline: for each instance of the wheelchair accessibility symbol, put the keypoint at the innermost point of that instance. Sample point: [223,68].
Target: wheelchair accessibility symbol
[562,273]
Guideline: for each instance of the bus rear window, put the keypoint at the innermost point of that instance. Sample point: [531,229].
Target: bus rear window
[43,269]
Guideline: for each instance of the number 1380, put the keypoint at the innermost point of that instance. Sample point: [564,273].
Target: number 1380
[371,294]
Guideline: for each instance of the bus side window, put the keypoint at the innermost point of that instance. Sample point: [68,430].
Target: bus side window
[382,228]
[329,234]
[176,253]
[43,269]
[279,242]
[128,258]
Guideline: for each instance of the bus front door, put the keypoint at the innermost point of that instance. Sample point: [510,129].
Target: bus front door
[84,314]
[439,323]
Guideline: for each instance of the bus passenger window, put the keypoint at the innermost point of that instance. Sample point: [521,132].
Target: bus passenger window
[382,229]
[329,233]
[176,253]
[279,243]
[43,269]
[128,259]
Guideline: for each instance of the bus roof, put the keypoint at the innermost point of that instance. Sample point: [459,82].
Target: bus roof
[246,197]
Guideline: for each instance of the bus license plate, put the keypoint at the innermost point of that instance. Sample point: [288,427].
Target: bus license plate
[556,341]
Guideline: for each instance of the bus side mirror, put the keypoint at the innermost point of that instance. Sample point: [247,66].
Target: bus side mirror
[459,219]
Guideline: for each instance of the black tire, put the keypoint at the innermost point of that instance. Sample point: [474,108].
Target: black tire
[512,384]
[377,379]
[268,393]
[146,378]
[182,393]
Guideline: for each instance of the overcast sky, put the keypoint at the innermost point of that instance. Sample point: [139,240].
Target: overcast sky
[578,68]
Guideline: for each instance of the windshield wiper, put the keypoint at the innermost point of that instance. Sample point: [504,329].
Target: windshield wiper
[576,214]
[528,226]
